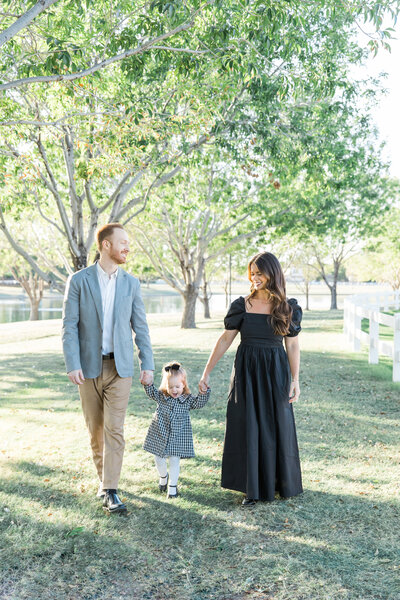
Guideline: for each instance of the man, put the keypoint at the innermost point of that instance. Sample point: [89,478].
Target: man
[102,305]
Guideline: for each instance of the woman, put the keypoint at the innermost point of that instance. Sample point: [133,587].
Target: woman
[260,451]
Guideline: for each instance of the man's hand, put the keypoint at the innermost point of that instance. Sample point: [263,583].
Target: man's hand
[76,377]
[146,377]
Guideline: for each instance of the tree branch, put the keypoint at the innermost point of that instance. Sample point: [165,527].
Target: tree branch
[46,276]
[24,20]
[104,63]
[54,190]
[166,274]
[233,241]
[53,223]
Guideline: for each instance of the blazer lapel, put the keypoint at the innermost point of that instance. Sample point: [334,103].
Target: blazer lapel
[95,291]
[120,291]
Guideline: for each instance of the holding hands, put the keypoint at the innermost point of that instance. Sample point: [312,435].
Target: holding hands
[146,377]
[204,384]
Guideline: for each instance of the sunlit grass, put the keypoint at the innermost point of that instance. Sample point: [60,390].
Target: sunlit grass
[339,540]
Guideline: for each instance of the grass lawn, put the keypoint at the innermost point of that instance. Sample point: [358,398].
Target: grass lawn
[385,333]
[339,540]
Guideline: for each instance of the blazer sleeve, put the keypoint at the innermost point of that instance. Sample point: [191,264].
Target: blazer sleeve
[297,315]
[70,332]
[141,331]
[200,400]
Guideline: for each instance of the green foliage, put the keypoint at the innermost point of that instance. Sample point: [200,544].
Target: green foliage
[266,82]
[380,259]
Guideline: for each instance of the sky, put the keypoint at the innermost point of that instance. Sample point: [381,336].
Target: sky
[387,115]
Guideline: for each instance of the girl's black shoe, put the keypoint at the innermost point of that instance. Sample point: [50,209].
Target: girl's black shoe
[163,486]
[169,495]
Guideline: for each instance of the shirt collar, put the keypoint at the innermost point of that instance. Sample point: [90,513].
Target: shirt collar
[181,398]
[104,275]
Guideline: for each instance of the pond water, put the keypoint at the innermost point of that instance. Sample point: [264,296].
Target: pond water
[16,307]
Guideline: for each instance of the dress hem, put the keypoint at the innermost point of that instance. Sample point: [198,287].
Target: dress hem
[232,489]
[163,455]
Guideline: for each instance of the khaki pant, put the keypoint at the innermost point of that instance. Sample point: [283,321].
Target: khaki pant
[104,402]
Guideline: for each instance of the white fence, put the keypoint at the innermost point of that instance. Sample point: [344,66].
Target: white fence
[370,306]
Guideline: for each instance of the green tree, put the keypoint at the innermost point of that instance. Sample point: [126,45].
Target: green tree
[379,260]
[56,40]
[196,220]
[340,189]
[92,128]
[46,249]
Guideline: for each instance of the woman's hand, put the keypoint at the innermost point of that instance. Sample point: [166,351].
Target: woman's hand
[294,392]
[221,346]
[203,384]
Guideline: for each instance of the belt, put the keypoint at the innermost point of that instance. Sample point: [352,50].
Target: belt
[108,356]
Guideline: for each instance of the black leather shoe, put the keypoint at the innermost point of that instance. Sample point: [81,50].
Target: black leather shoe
[112,503]
[163,486]
[248,502]
[173,495]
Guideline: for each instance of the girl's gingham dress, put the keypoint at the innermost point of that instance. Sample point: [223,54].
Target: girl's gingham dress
[170,431]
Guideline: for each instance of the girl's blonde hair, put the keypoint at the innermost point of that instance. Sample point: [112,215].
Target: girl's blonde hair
[171,369]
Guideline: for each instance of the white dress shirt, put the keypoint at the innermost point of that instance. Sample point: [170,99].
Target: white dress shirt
[107,289]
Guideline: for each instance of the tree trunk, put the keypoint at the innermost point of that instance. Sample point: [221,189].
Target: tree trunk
[207,314]
[226,290]
[333,296]
[307,290]
[189,311]
[33,286]
[336,267]
[79,262]
[206,300]
[34,315]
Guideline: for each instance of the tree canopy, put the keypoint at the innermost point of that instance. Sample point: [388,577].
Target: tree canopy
[105,104]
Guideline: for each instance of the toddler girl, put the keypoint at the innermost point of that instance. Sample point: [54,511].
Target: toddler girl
[170,431]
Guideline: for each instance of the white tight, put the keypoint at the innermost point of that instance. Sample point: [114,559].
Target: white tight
[174,465]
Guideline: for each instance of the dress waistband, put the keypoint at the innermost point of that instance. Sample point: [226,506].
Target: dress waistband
[262,343]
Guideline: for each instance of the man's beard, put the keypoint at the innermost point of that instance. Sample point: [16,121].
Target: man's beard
[117,257]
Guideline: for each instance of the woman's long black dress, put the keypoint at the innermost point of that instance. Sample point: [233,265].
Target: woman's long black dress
[260,455]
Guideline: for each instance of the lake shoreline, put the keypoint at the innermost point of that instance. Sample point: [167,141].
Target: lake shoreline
[158,298]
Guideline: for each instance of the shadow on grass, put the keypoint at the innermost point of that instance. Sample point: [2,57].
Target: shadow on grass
[22,374]
[323,315]
[320,321]
[34,482]
[57,544]
[85,554]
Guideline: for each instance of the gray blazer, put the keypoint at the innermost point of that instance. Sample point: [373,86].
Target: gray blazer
[82,331]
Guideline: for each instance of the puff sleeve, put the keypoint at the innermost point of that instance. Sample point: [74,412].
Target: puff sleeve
[234,316]
[297,315]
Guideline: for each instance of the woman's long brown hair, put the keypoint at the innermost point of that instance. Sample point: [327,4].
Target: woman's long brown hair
[281,312]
